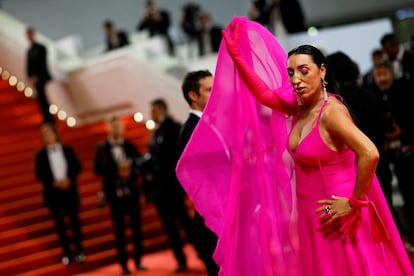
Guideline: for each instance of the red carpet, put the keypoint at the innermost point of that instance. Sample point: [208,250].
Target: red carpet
[159,264]
[28,243]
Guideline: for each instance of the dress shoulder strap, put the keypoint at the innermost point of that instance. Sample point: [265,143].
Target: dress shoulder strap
[325,101]
[320,111]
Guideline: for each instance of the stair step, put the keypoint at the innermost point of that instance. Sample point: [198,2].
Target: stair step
[28,241]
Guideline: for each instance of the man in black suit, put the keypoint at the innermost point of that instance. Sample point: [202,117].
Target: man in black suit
[401,59]
[209,36]
[167,193]
[196,89]
[157,22]
[38,73]
[115,161]
[114,39]
[57,167]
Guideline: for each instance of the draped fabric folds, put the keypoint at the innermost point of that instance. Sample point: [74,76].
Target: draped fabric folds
[236,169]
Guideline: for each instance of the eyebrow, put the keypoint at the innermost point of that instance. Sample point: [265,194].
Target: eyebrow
[300,66]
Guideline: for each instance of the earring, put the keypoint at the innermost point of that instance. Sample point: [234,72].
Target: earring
[298,99]
[325,93]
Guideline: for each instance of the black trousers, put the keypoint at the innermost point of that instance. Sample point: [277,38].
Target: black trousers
[58,214]
[43,101]
[403,167]
[207,242]
[172,210]
[120,208]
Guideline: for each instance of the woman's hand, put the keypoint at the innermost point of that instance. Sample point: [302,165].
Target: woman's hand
[333,208]
[231,38]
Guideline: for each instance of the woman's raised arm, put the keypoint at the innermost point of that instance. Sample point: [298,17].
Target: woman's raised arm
[255,84]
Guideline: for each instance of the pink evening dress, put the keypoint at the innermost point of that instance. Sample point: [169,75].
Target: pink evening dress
[259,196]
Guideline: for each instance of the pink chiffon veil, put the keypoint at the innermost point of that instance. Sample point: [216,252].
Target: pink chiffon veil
[394,251]
[236,169]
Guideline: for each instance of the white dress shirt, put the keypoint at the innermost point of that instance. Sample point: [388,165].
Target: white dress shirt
[57,161]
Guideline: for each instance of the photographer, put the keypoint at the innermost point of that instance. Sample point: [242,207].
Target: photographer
[189,20]
[157,22]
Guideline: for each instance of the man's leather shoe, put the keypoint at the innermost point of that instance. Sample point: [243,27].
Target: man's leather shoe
[125,271]
[66,260]
[141,267]
[80,257]
[181,268]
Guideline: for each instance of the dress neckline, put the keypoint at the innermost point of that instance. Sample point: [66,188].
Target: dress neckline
[314,124]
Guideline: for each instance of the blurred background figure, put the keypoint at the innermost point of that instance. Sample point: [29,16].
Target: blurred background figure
[367,113]
[196,88]
[368,78]
[412,43]
[115,161]
[280,16]
[162,184]
[209,35]
[189,25]
[259,11]
[396,98]
[157,22]
[401,59]
[58,167]
[38,73]
[114,39]
[286,16]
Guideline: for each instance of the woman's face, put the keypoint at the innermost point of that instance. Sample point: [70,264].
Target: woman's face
[305,77]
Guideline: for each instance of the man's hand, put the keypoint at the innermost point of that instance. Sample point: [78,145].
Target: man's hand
[62,184]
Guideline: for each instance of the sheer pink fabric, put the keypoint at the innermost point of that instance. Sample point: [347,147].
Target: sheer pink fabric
[238,172]
[233,168]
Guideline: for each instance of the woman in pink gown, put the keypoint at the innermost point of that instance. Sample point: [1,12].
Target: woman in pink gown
[290,191]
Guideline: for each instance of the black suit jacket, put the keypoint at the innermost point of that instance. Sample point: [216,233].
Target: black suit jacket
[37,62]
[215,40]
[186,131]
[293,17]
[163,145]
[207,238]
[122,39]
[164,152]
[154,26]
[53,197]
[366,111]
[401,98]
[408,66]
[105,166]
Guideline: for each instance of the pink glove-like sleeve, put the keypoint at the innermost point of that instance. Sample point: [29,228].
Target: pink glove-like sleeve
[255,84]
[353,220]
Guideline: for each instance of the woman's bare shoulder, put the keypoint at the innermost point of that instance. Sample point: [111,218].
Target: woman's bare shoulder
[335,112]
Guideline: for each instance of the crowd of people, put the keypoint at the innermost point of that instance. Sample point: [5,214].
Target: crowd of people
[118,163]
[197,26]
[290,165]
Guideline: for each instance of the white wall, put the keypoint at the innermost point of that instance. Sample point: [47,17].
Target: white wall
[356,40]
[58,18]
